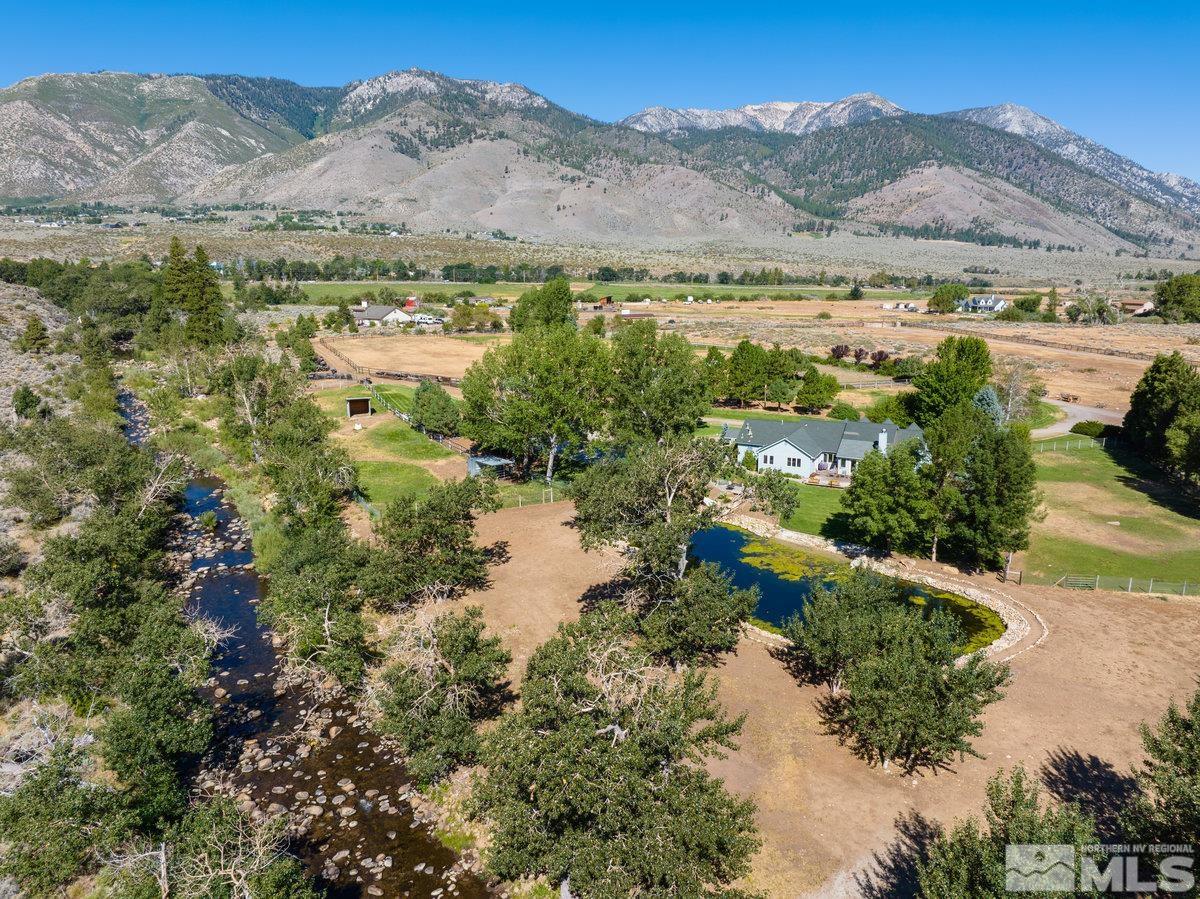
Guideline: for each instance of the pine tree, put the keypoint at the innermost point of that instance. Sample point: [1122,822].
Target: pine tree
[34,338]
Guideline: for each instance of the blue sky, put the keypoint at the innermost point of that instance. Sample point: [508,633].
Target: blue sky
[1126,75]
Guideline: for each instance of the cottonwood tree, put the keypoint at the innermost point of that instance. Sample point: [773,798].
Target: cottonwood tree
[442,676]
[426,544]
[1178,299]
[970,860]
[548,306]
[57,825]
[652,500]
[961,366]
[543,393]
[701,617]
[947,297]
[1017,387]
[658,387]
[1166,395]
[215,850]
[598,781]
[910,703]
[841,626]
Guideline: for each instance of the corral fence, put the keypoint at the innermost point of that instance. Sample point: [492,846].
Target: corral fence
[1128,584]
[384,372]
[457,444]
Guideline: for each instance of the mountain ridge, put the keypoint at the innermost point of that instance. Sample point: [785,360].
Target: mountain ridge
[437,152]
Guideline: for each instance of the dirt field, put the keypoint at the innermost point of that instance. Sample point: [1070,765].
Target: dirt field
[827,819]
[417,353]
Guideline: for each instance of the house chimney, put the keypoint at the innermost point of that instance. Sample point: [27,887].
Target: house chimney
[883,446]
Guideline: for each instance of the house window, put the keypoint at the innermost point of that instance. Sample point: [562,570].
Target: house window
[770,460]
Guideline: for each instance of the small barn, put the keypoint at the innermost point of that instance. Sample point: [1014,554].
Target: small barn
[358,405]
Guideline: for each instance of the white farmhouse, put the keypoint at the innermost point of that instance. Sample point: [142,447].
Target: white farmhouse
[372,315]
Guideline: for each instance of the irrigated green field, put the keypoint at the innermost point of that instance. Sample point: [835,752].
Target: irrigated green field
[1110,514]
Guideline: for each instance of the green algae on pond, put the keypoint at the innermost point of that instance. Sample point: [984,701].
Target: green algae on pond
[786,576]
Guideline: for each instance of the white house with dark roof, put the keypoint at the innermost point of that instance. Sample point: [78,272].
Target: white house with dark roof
[804,448]
[984,303]
[371,315]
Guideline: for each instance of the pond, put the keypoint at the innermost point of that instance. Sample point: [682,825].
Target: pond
[787,575]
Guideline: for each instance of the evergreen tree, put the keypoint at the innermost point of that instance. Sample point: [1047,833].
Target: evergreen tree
[34,338]
[434,410]
[971,859]
[887,503]
[1000,498]
[202,302]
[1168,807]
[816,391]
[747,372]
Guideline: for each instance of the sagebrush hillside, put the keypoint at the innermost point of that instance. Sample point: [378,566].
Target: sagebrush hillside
[437,153]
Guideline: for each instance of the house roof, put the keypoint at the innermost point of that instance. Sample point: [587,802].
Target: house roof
[374,311]
[841,439]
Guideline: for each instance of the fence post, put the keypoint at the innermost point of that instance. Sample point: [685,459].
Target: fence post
[1130,590]
[1097,587]
[1150,589]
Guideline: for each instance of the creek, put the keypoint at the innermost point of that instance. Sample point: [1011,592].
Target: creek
[286,747]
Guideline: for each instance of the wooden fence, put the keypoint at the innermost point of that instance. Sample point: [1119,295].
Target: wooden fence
[384,372]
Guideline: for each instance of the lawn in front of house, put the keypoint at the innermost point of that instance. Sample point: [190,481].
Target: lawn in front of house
[1109,513]
[818,512]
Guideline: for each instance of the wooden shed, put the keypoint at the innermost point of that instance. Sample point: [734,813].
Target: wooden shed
[358,405]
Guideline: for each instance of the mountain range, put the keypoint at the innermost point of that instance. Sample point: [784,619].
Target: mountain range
[439,153]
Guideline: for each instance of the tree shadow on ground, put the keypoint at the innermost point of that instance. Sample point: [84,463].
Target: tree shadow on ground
[1094,785]
[498,553]
[1154,483]
[892,873]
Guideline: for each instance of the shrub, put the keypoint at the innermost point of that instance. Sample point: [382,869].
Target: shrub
[12,560]
[1095,429]
[824,315]
[843,411]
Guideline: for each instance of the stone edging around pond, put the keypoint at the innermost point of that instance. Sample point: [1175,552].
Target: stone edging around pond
[1016,623]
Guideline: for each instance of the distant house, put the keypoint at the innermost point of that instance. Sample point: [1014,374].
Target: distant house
[372,315]
[983,303]
[804,448]
[1137,307]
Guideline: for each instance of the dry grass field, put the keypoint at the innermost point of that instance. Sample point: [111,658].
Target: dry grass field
[422,354]
[842,252]
[827,818]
